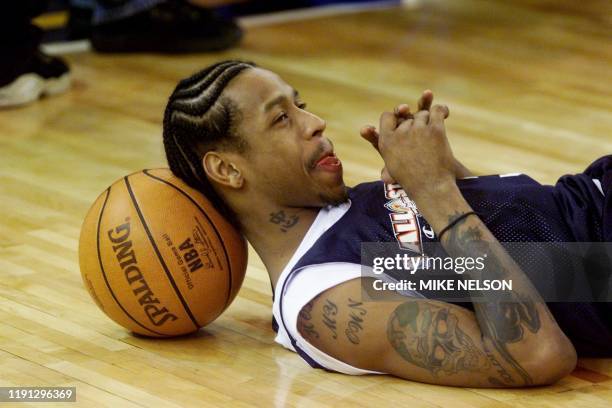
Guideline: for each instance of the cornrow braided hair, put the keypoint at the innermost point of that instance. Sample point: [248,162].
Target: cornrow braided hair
[196,120]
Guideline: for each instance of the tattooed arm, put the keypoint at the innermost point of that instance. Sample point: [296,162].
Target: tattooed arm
[510,340]
[516,324]
[418,339]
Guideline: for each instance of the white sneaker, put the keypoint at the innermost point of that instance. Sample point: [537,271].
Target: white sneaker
[44,76]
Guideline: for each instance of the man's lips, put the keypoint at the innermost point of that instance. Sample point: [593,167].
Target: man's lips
[329,162]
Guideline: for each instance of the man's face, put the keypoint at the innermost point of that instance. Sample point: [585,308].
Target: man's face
[288,156]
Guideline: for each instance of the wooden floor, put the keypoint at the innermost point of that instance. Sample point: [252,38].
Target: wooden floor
[528,86]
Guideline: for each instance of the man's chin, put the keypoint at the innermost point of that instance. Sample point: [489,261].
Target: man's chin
[334,197]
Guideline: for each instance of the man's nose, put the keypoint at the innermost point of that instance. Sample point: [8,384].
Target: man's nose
[316,126]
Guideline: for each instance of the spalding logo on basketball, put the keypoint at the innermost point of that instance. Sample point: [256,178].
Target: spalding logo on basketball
[157,257]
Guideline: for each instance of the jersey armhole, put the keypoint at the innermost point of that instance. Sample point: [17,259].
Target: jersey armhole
[304,285]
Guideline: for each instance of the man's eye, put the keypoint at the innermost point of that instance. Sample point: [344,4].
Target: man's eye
[301,105]
[282,117]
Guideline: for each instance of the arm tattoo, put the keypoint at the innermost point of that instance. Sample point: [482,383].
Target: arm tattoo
[330,310]
[429,336]
[355,323]
[503,373]
[502,317]
[305,326]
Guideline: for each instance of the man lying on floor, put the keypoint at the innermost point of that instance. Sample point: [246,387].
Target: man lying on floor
[242,136]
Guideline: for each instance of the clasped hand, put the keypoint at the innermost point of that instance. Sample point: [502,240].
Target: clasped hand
[415,148]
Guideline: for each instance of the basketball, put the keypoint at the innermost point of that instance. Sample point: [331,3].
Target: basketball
[157,257]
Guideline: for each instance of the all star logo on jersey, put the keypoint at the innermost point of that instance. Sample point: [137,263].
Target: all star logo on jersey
[404,220]
[401,204]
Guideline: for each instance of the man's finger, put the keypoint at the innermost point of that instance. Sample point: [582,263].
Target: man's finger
[425,100]
[405,125]
[388,122]
[438,114]
[370,134]
[402,111]
[368,131]
[421,118]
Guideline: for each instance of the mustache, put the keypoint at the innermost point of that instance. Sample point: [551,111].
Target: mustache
[321,148]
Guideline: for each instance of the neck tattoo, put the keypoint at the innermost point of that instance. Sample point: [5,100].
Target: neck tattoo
[283,220]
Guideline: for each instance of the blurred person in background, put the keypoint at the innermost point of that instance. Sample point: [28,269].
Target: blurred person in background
[25,72]
[162,26]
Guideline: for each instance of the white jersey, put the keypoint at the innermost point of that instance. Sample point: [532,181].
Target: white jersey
[308,283]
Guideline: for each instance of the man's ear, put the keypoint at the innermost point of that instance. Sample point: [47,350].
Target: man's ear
[221,170]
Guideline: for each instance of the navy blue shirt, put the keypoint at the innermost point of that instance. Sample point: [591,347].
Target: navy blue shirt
[514,208]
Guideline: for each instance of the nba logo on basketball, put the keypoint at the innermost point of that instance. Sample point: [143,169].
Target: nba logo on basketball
[190,255]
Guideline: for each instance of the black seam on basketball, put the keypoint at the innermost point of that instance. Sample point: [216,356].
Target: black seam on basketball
[229,264]
[159,257]
[104,272]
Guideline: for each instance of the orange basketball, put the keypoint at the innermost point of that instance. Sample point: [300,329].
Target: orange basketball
[156,256]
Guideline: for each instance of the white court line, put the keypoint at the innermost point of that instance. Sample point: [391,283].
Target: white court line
[67,47]
[315,12]
[279,17]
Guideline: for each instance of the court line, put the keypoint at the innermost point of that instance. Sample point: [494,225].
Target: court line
[328,10]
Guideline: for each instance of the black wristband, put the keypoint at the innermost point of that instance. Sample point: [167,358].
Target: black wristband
[454,222]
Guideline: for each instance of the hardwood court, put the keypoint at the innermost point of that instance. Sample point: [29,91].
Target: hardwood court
[528,86]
